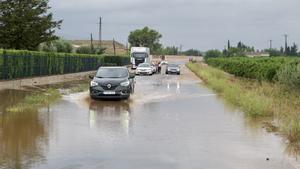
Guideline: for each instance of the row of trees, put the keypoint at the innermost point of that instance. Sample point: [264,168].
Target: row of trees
[287,51]
[241,50]
[151,38]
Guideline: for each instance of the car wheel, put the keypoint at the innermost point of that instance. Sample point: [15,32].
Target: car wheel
[178,73]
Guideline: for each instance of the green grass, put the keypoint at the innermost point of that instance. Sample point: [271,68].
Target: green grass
[256,99]
[35,101]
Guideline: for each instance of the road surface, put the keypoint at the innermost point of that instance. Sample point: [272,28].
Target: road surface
[171,122]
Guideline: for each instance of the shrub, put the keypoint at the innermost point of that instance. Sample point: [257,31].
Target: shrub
[212,54]
[85,50]
[20,64]
[289,75]
[89,50]
[254,68]
[61,46]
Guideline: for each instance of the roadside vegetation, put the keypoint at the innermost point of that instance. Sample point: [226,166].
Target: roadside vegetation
[284,70]
[19,64]
[257,98]
[46,96]
[35,101]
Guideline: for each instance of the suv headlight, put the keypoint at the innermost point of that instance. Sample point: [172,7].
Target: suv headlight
[126,83]
[93,84]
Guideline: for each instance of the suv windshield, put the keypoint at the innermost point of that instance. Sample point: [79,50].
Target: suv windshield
[112,73]
[139,55]
[144,65]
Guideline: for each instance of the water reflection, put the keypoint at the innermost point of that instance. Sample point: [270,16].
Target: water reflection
[172,85]
[23,136]
[110,117]
[10,97]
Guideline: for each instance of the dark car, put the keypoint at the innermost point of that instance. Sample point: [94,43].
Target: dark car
[173,68]
[112,83]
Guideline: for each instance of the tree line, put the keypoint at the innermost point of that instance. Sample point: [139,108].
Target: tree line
[242,50]
[148,37]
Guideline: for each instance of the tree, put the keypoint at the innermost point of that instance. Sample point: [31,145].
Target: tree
[240,50]
[294,50]
[85,50]
[171,50]
[26,24]
[145,37]
[274,52]
[192,52]
[212,54]
[60,45]
[288,51]
[228,45]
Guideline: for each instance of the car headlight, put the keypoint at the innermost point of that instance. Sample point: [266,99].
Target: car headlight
[93,84]
[125,84]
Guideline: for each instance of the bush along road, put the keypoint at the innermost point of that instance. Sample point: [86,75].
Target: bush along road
[285,70]
[20,64]
[264,97]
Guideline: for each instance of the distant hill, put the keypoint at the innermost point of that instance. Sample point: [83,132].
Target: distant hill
[108,44]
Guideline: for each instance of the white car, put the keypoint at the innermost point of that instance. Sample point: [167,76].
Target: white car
[144,69]
[154,68]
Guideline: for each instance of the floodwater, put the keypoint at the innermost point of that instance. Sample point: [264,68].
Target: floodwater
[171,122]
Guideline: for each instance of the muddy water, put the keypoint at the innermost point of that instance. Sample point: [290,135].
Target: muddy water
[171,122]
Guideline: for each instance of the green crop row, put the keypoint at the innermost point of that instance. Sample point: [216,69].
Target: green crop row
[19,64]
[254,68]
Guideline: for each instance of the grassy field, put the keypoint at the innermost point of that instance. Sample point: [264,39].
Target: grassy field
[257,99]
[108,44]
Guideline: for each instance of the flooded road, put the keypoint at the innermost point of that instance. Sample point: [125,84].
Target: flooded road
[171,122]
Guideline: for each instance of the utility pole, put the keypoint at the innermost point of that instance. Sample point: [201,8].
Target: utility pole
[100,33]
[286,39]
[92,46]
[180,52]
[127,48]
[271,44]
[114,44]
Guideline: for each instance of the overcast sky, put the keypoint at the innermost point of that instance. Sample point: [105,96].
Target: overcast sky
[200,24]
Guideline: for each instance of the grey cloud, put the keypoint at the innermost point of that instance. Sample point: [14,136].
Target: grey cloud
[201,24]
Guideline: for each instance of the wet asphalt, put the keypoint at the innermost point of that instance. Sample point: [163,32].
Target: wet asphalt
[171,122]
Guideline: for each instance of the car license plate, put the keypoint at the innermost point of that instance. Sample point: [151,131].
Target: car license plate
[109,93]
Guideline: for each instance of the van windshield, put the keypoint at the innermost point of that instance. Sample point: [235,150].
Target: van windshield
[139,55]
[112,73]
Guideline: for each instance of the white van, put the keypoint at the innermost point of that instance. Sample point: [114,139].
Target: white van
[140,55]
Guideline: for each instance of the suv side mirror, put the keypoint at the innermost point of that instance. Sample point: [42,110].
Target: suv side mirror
[131,76]
[91,77]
